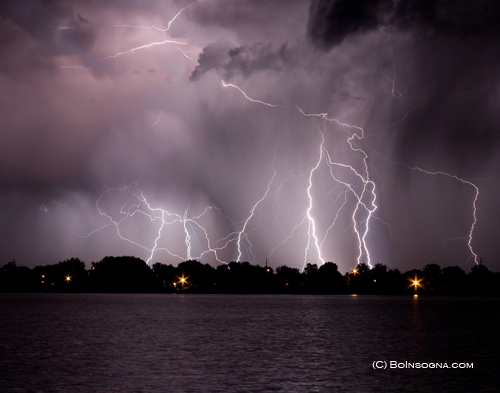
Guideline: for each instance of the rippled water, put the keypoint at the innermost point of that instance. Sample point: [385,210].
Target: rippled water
[231,343]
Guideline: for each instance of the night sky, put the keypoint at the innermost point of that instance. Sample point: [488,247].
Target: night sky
[316,149]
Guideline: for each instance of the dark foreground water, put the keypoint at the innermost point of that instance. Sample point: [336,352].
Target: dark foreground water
[230,343]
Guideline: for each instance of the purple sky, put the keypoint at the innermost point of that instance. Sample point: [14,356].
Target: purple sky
[108,150]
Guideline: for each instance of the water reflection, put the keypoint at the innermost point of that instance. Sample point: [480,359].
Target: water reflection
[185,343]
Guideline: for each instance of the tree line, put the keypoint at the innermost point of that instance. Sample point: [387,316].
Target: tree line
[129,274]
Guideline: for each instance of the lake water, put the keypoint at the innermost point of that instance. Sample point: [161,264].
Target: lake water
[245,343]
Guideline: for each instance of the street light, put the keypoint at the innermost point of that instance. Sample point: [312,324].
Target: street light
[68,278]
[183,280]
[415,283]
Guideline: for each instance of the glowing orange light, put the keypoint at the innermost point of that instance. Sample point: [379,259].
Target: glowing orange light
[68,278]
[183,280]
[415,295]
[354,271]
[415,283]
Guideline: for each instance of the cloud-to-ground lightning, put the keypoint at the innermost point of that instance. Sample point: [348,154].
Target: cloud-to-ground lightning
[368,185]
[312,224]
[197,239]
[139,205]
[474,202]
[242,232]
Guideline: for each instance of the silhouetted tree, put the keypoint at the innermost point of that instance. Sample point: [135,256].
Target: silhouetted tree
[222,279]
[481,281]
[197,277]
[311,278]
[432,277]
[130,274]
[453,280]
[359,279]
[165,277]
[378,279]
[288,279]
[122,274]
[15,278]
[329,279]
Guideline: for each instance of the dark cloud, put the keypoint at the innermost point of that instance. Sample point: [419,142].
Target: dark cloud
[457,122]
[332,21]
[213,56]
[230,13]
[244,60]
[32,15]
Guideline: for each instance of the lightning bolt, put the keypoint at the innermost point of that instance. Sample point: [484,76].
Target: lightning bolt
[154,27]
[361,187]
[188,237]
[127,52]
[243,233]
[368,188]
[141,47]
[474,202]
[312,224]
[393,81]
[449,175]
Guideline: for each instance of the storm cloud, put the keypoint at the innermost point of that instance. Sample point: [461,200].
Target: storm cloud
[114,120]
[333,21]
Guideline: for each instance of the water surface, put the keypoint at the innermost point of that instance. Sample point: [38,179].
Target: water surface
[244,343]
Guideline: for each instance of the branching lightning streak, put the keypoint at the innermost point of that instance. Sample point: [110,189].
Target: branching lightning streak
[361,234]
[474,202]
[113,222]
[363,188]
[128,52]
[312,224]
[154,27]
[248,98]
[252,212]
[158,237]
[393,81]
[166,218]
[287,238]
[474,208]
[185,52]
[133,50]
